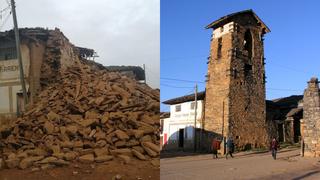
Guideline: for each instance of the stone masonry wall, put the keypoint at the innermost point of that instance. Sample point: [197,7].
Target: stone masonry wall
[217,87]
[235,90]
[311,118]
[247,89]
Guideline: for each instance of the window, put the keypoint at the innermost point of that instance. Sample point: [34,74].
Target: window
[219,48]
[247,43]
[192,105]
[178,108]
[234,73]
[247,69]
[8,53]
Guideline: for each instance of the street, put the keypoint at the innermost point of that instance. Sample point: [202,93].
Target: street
[289,165]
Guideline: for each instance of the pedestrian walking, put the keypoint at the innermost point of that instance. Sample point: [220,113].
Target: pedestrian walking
[215,146]
[230,147]
[274,145]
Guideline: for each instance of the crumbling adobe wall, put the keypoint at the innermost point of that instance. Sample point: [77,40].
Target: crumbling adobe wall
[217,87]
[311,119]
[247,117]
[59,55]
[37,50]
[235,90]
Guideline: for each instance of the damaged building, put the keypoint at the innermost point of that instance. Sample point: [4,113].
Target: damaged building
[135,72]
[40,54]
[283,118]
[235,89]
[234,101]
[297,118]
[44,52]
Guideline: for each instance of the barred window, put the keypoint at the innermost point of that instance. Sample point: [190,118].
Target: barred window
[192,105]
[178,108]
[8,53]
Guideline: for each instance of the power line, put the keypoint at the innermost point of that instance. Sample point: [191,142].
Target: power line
[183,58]
[5,9]
[190,81]
[181,80]
[276,89]
[204,57]
[287,68]
[167,85]
[5,20]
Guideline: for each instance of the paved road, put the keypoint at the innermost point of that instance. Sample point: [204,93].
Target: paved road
[289,165]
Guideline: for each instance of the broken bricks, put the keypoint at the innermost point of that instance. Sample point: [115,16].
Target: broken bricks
[83,118]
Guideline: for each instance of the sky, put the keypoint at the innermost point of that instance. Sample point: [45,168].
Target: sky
[122,32]
[291,48]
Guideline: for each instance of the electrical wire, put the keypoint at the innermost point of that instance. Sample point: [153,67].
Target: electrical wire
[276,89]
[5,20]
[167,85]
[181,80]
[5,9]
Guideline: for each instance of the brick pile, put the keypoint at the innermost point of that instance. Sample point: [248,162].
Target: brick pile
[86,115]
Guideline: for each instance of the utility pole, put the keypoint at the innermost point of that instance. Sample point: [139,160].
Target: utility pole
[16,32]
[195,118]
[145,77]
[222,130]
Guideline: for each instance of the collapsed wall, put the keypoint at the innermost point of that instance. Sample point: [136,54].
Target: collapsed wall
[44,52]
[82,112]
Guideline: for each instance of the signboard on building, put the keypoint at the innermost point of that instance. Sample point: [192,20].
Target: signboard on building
[9,69]
[10,78]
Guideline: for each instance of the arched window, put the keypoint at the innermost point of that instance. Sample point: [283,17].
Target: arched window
[247,43]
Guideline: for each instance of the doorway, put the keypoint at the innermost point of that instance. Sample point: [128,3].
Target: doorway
[296,130]
[280,133]
[181,137]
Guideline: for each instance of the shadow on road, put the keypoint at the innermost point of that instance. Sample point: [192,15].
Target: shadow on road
[306,175]
[172,154]
[168,154]
[248,154]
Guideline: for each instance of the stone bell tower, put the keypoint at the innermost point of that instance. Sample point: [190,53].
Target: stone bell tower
[235,89]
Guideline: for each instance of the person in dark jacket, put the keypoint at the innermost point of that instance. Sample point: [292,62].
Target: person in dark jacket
[230,147]
[215,146]
[274,145]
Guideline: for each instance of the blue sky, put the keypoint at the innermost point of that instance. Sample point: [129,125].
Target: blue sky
[292,48]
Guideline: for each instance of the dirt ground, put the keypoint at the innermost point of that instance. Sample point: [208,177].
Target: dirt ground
[135,170]
[289,165]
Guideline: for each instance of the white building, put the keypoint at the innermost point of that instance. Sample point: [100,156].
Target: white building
[178,129]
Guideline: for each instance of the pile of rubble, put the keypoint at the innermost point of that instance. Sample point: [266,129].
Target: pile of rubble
[87,116]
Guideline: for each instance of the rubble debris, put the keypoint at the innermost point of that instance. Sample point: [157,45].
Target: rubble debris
[87,116]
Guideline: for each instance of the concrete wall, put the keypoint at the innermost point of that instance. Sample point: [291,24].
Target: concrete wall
[182,120]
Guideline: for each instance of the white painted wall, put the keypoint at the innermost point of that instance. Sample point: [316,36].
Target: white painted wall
[9,73]
[229,27]
[182,120]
